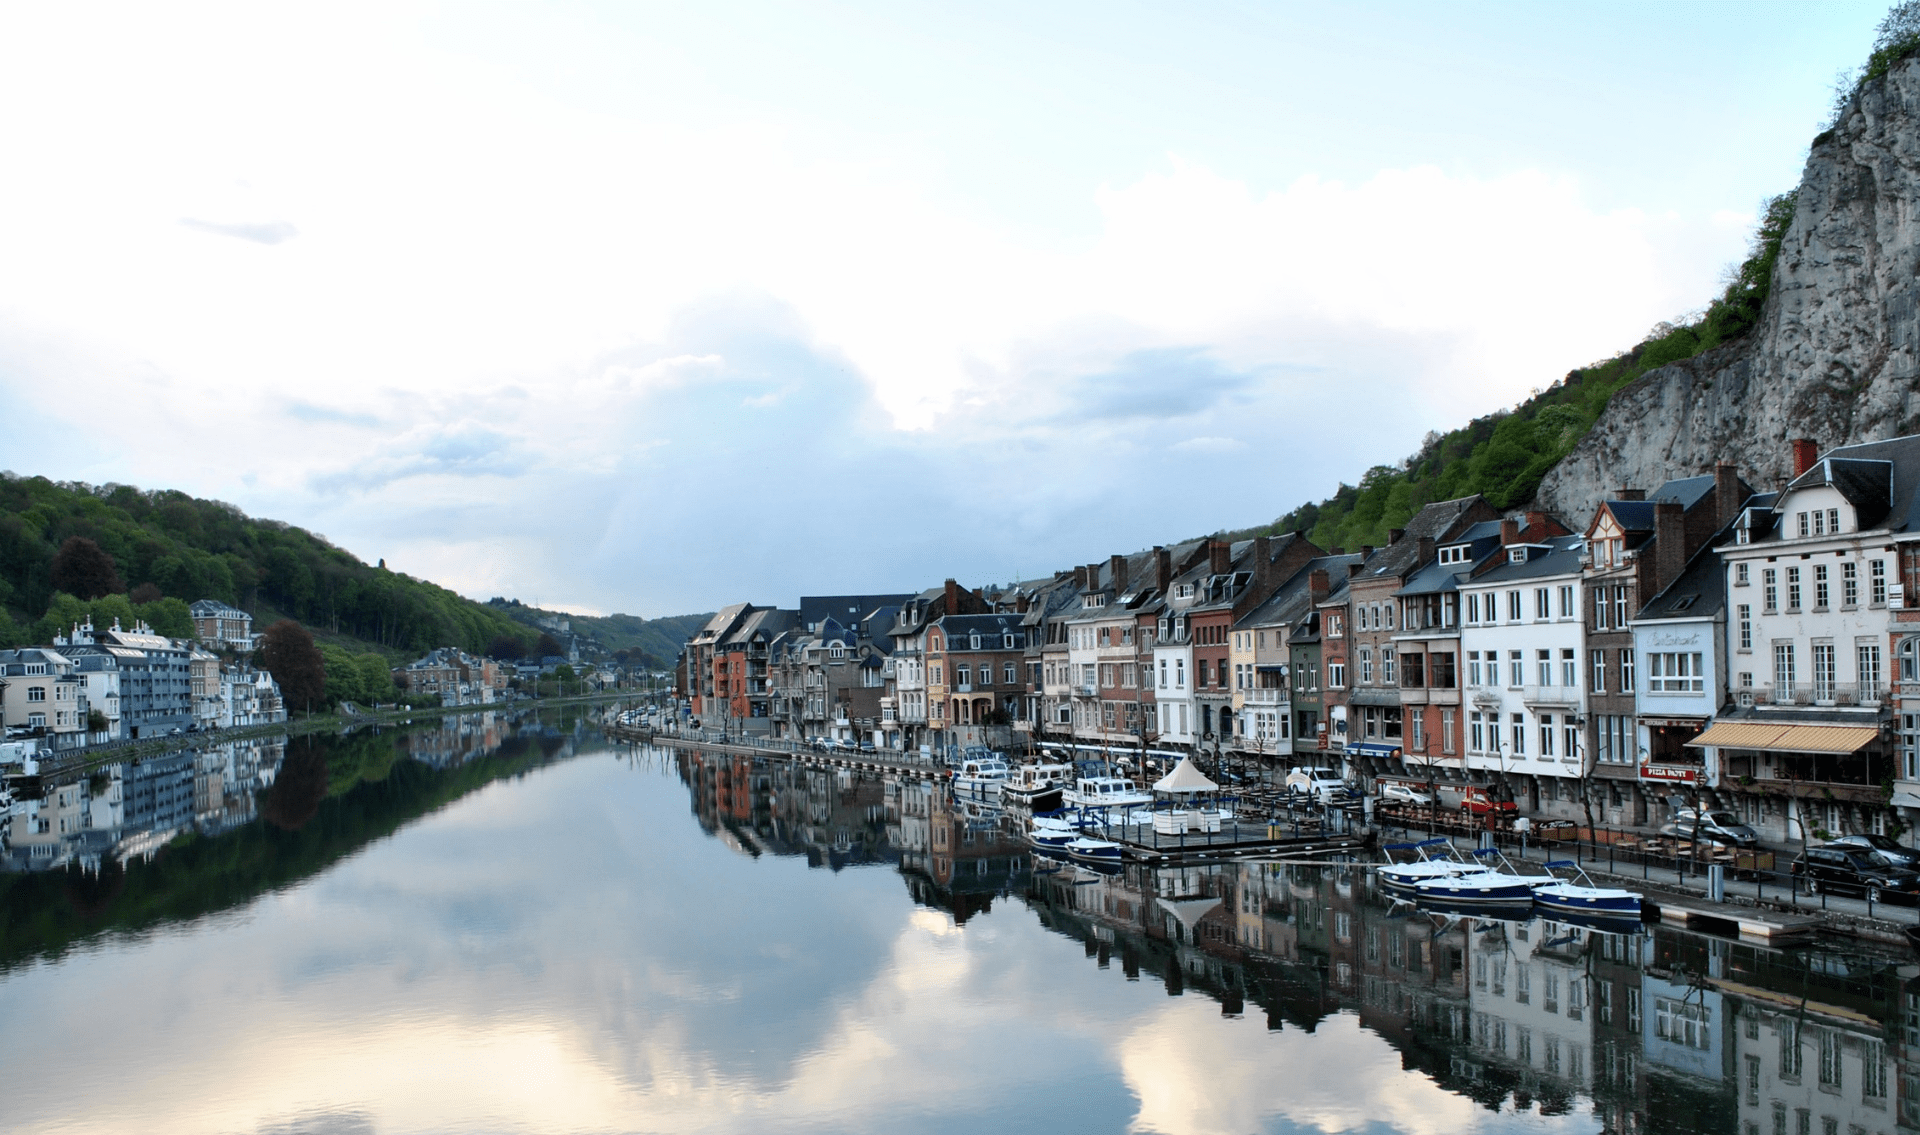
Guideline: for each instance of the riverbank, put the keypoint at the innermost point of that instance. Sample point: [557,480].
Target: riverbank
[92,758]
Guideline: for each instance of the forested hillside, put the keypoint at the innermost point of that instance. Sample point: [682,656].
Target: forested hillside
[167,546]
[655,642]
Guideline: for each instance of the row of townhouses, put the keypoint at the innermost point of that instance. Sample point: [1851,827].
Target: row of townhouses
[94,687]
[1694,641]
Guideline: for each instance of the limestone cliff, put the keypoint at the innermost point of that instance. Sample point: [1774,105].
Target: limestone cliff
[1836,354]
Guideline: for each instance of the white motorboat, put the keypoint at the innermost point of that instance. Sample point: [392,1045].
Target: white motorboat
[1580,896]
[1038,787]
[980,778]
[1097,851]
[1433,863]
[1479,884]
[1104,792]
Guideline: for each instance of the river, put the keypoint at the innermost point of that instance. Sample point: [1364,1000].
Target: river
[511,924]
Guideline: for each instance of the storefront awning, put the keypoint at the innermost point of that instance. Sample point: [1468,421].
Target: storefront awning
[1786,738]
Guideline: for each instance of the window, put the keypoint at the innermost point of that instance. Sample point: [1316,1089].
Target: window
[1546,735]
[1513,606]
[1819,587]
[1783,670]
[1626,672]
[1793,589]
[1569,670]
[1446,730]
[1179,673]
[1769,590]
[1867,658]
[1805,530]
[1366,666]
[1474,676]
[1790,1051]
[1833,521]
[1163,673]
[1336,675]
[1877,582]
[1682,1022]
[1678,673]
[1822,671]
[1745,613]
[1740,577]
[1566,602]
[1599,671]
[1542,609]
[1620,606]
[1519,733]
[1516,669]
[1545,659]
[36,693]
[1414,671]
[1830,1074]
[1476,739]
[1849,584]
[1473,607]
[1386,665]
[1599,608]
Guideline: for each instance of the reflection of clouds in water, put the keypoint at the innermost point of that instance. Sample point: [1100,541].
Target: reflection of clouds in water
[1196,1074]
[570,953]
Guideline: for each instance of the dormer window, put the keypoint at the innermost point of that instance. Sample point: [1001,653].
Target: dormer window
[1517,555]
[1454,555]
[1097,600]
[36,667]
[973,642]
[1184,591]
[1006,642]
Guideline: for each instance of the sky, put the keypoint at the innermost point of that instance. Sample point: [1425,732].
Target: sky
[657,307]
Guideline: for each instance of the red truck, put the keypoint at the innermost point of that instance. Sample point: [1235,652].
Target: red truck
[1476,802]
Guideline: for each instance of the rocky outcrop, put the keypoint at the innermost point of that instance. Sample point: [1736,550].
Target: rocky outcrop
[1836,355]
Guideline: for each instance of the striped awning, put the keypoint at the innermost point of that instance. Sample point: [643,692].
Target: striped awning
[1786,738]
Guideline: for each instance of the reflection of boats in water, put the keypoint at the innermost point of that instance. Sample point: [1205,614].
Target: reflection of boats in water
[1038,787]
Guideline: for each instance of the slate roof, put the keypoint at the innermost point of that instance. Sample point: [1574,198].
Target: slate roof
[1432,521]
[1293,600]
[1881,479]
[1561,557]
[846,608]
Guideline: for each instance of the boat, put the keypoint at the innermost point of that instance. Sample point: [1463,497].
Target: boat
[1580,896]
[1086,849]
[1037,786]
[1052,833]
[1403,876]
[980,778]
[1479,884]
[1104,792]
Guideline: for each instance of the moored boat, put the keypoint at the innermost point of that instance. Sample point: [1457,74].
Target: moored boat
[1104,792]
[1038,787]
[1581,896]
[980,778]
[1098,851]
[1404,876]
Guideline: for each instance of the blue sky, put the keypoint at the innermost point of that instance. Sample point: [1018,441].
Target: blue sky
[652,308]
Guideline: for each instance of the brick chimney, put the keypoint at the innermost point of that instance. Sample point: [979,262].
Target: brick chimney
[1394,535]
[1806,451]
[1117,565]
[1509,530]
[1320,583]
[953,597]
[1093,577]
[1080,577]
[1162,568]
[1262,562]
[1629,494]
[1536,524]
[1727,495]
[1353,569]
[1426,550]
[1221,554]
[1669,542]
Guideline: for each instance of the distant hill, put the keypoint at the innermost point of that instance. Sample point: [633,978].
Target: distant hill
[168,544]
[658,640]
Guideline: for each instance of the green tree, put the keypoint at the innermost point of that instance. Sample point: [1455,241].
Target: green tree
[81,568]
[288,653]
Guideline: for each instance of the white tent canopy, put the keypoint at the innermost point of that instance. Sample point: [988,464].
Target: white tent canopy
[1184,779]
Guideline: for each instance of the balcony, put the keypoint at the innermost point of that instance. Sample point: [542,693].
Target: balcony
[1568,696]
[1274,696]
[1087,691]
[1808,694]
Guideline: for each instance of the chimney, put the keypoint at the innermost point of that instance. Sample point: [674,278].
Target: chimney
[1366,552]
[1117,565]
[1536,524]
[1353,569]
[1727,497]
[1426,550]
[1806,451]
[1080,578]
[1629,494]
[1093,577]
[1024,602]
[1337,552]
[1509,530]
[953,598]
[1669,542]
[1394,534]
[1262,561]
[1162,568]
[1221,554]
[1320,583]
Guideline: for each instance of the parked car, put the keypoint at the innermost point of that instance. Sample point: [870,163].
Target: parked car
[1855,870]
[1323,784]
[1479,802]
[1393,792]
[867,747]
[1895,854]
[1723,828]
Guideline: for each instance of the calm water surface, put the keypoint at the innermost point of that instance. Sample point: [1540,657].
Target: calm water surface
[512,925]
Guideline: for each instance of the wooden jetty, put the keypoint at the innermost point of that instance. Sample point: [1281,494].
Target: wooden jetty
[1748,922]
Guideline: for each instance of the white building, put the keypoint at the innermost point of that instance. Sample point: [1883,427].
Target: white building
[1679,670]
[1522,632]
[1173,662]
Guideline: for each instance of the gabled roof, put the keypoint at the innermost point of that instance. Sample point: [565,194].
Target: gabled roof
[1292,602]
[1556,555]
[1433,521]
[1881,479]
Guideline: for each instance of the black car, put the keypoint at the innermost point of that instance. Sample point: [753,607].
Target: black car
[1896,855]
[1856,870]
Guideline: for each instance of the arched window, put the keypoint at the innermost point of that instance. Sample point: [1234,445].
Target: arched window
[1910,659]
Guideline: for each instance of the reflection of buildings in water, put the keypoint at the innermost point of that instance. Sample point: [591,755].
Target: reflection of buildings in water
[1530,999]
[459,737]
[971,854]
[1808,1068]
[761,806]
[132,809]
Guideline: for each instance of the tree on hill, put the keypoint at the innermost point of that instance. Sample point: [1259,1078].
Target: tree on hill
[145,593]
[81,568]
[548,646]
[507,648]
[288,653]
